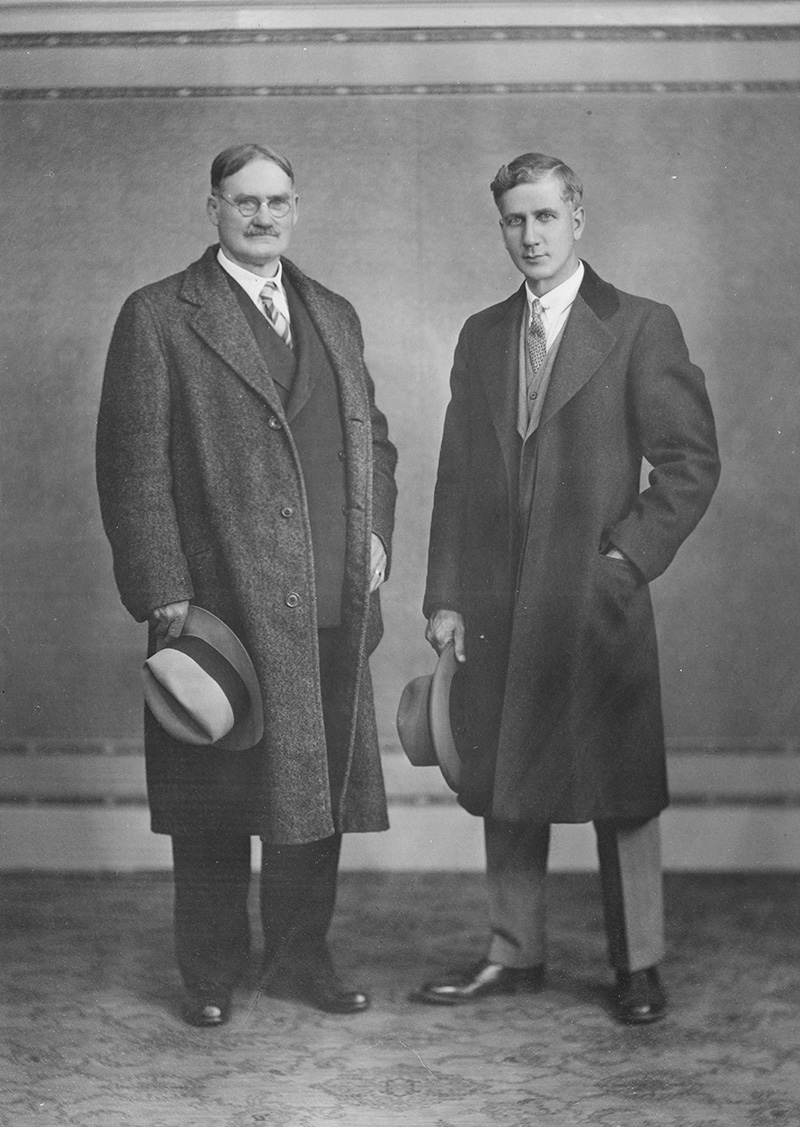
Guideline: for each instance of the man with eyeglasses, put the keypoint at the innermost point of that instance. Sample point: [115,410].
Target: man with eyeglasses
[542,547]
[243,467]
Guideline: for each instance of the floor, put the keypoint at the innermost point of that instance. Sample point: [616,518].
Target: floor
[91,1033]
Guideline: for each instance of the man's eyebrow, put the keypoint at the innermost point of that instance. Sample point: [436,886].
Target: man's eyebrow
[253,196]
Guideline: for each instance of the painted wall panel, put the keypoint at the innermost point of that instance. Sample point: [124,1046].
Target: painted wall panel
[690,201]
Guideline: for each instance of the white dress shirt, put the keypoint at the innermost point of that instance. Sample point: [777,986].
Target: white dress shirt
[556,304]
[253,284]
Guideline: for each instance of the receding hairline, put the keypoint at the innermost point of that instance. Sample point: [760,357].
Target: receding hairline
[236,157]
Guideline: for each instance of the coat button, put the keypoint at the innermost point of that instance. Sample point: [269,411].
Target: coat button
[275,423]
[341,455]
[287,511]
[293,600]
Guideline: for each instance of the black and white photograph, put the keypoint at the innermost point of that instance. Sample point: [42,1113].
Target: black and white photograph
[400,563]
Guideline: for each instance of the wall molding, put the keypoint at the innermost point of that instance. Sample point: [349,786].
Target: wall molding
[80,806]
[744,33]
[421,838]
[783,746]
[112,15]
[108,773]
[72,49]
[187,93]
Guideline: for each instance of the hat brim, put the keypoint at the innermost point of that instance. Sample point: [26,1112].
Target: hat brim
[413,722]
[201,623]
[439,717]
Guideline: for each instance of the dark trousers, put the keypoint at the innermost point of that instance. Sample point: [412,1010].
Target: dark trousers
[212,881]
[297,891]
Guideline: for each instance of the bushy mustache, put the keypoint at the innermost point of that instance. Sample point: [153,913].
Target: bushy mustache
[253,231]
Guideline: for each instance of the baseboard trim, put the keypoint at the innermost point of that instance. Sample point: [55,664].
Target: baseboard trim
[83,808]
[103,773]
[423,837]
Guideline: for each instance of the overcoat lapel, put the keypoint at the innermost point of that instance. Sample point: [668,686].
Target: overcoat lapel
[500,374]
[586,343]
[221,323]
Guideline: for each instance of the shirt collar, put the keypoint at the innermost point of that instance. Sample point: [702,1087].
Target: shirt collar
[560,298]
[251,283]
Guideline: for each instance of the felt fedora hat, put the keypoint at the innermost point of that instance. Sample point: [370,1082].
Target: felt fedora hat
[202,687]
[423,720]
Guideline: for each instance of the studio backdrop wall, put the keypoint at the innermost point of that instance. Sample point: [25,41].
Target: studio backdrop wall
[690,199]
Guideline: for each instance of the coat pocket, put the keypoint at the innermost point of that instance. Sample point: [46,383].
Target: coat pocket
[617,582]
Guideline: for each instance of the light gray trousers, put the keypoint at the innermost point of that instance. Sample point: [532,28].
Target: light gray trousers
[631,880]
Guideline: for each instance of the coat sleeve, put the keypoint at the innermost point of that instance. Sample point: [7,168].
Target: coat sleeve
[675,424]
[384,489]
[384,453]
[449,517]
[134,477]
[384,463]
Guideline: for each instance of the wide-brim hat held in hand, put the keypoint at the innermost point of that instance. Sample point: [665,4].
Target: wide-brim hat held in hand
[423,720]
[202,687]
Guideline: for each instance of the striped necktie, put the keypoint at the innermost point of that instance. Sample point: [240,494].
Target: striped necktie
[279,323]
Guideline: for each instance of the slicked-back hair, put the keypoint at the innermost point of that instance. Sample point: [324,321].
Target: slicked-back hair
[232,160]
[530,168]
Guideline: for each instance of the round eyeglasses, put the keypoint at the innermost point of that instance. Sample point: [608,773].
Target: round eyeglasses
[248,206]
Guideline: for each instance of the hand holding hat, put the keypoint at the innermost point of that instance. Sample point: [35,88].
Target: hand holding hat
[202,687]
[168,621]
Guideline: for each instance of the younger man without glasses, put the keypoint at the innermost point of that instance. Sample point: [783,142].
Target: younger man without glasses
[541,551]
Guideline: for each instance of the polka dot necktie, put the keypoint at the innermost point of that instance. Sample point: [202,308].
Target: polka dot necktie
[274,315]
[536,338]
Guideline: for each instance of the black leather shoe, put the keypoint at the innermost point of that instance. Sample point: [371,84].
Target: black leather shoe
[325,990]
[206,1012]
[315,982]
[640,997]
[483,979]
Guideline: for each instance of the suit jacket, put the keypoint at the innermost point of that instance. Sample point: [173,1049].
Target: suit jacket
[560,692]
[202,498]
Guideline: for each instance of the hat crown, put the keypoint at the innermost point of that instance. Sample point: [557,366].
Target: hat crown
[202,687]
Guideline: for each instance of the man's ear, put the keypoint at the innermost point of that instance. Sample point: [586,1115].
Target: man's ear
[578,222]
[212,210]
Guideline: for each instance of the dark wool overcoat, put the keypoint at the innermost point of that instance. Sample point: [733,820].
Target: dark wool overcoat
[560,690]
[197,474]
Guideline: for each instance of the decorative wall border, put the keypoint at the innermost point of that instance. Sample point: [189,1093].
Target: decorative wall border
[233,37]
[89,93]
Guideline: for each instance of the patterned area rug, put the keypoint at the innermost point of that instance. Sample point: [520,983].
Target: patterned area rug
[91,1033]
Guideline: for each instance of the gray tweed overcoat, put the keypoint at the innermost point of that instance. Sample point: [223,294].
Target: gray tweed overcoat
[196,471]
[561,683]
